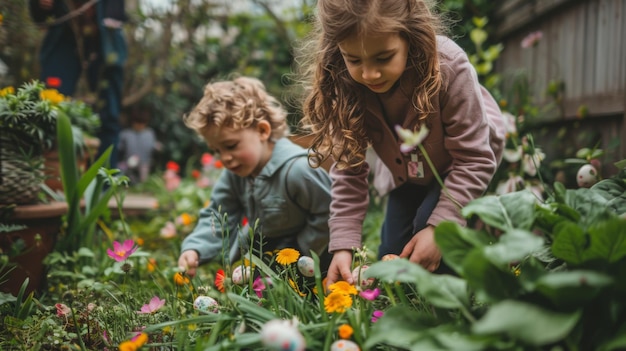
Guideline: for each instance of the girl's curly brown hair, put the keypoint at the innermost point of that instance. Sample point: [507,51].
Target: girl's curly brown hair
[332,108]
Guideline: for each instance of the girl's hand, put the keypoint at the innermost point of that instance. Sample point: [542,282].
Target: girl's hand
[188,261]
[423,250]
[340,267]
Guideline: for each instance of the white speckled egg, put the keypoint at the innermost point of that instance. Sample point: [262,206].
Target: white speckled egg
[281,335]
[205,304]
[344,345]
[306,266]
[587,176]
[359,277]
[240,275]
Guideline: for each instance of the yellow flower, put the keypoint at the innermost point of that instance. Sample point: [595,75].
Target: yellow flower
[140,241]
[343,287]
[295,287]
[51,95]
[6,91]
[135,343]
[287,256]
[128,346]
[152,264]
[345,331]
[337,302]
[180,279]
[184,219]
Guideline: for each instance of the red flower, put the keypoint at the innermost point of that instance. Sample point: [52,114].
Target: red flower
[219,280]
[195,174]
[206,159]
[244,221]
[173,166]
[53,82]
[219,164]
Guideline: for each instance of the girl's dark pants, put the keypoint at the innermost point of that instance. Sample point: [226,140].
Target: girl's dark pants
[408,209]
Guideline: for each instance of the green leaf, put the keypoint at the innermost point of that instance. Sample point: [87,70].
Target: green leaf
[399,327]
[574,288]
[608,240]
[493,282]
[570,242]
[514,245]
[456,241]
[478,36]
[508,211]
[526,322]
[440,290]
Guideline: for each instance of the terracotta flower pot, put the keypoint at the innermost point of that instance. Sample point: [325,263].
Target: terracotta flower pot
[35,242]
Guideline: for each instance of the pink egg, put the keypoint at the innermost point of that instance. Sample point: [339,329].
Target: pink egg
[306,266]
[282,335]
[359,277]
[344,345]
[240,275]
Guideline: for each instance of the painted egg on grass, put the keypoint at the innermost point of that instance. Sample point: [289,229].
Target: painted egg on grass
[306,266]
[240,275]
[281,335]
[587,176]
[344,345]
[358,275]
[205,304]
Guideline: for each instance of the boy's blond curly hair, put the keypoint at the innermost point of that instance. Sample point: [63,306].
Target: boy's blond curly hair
[239,103]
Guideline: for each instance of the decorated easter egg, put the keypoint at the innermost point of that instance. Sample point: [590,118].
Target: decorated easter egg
[344,345]
[389,257]
[282,335]
[306,266]
[205,304]
[240,275]
[359,277]
[587,176]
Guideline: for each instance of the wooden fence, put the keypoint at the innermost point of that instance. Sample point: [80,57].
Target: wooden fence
[583,46]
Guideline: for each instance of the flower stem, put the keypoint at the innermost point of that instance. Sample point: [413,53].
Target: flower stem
[436,174]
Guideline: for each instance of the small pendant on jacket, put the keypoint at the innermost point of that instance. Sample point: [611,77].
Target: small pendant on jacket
[415,167]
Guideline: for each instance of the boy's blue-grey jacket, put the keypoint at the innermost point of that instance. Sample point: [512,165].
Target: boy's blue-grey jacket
[288,198]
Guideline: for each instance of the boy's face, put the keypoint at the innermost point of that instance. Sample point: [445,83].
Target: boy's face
[242,151]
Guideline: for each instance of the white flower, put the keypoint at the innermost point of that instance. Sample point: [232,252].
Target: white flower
[532,162]
[510,185]
[411,139]
[512,156]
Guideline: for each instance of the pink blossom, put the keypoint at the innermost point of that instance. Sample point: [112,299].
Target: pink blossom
[259,285]
[370,294]
[531,39]
[154,305]
[206,159]
[203,182]
[172,180]
[121,252]
[63,310]
[376,315]
[169,230]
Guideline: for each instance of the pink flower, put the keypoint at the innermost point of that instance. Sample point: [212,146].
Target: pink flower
[370,294]
[121,252]
[154,305]
[63,310]
[206,159]
[169,230]
[376,315]
[531,39]
[259,285]
[172,180]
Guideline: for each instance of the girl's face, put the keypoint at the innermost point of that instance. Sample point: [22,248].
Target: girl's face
[242,151]
[376,61]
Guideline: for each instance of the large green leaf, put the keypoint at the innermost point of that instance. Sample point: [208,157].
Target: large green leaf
[400,327]
[514,245]
[570,242]
[456,241]
[491,282]
[526,322]
[591,206]
[573,288]
[504,212]
[444,291]
[608,240]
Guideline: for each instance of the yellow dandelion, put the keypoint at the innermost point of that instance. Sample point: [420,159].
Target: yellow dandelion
[51,95]
[337,302]
[6,91]
[167,330]
[295,288]
[343,287]
[287,256]
[345,331]
[192,327]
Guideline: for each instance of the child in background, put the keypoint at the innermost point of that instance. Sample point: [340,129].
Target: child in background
[265,177]
[377,65]
[136,147]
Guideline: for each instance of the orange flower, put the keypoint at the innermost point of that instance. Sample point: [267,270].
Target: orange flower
[180,279]
[53,82]
[219,164]
[345,331]
[219,280]
[51,95]
[184,219]
[152,264]
[139,241]
[337,301]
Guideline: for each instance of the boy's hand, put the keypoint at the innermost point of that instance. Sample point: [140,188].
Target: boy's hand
[340,267]
[188,261]
[423,250]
